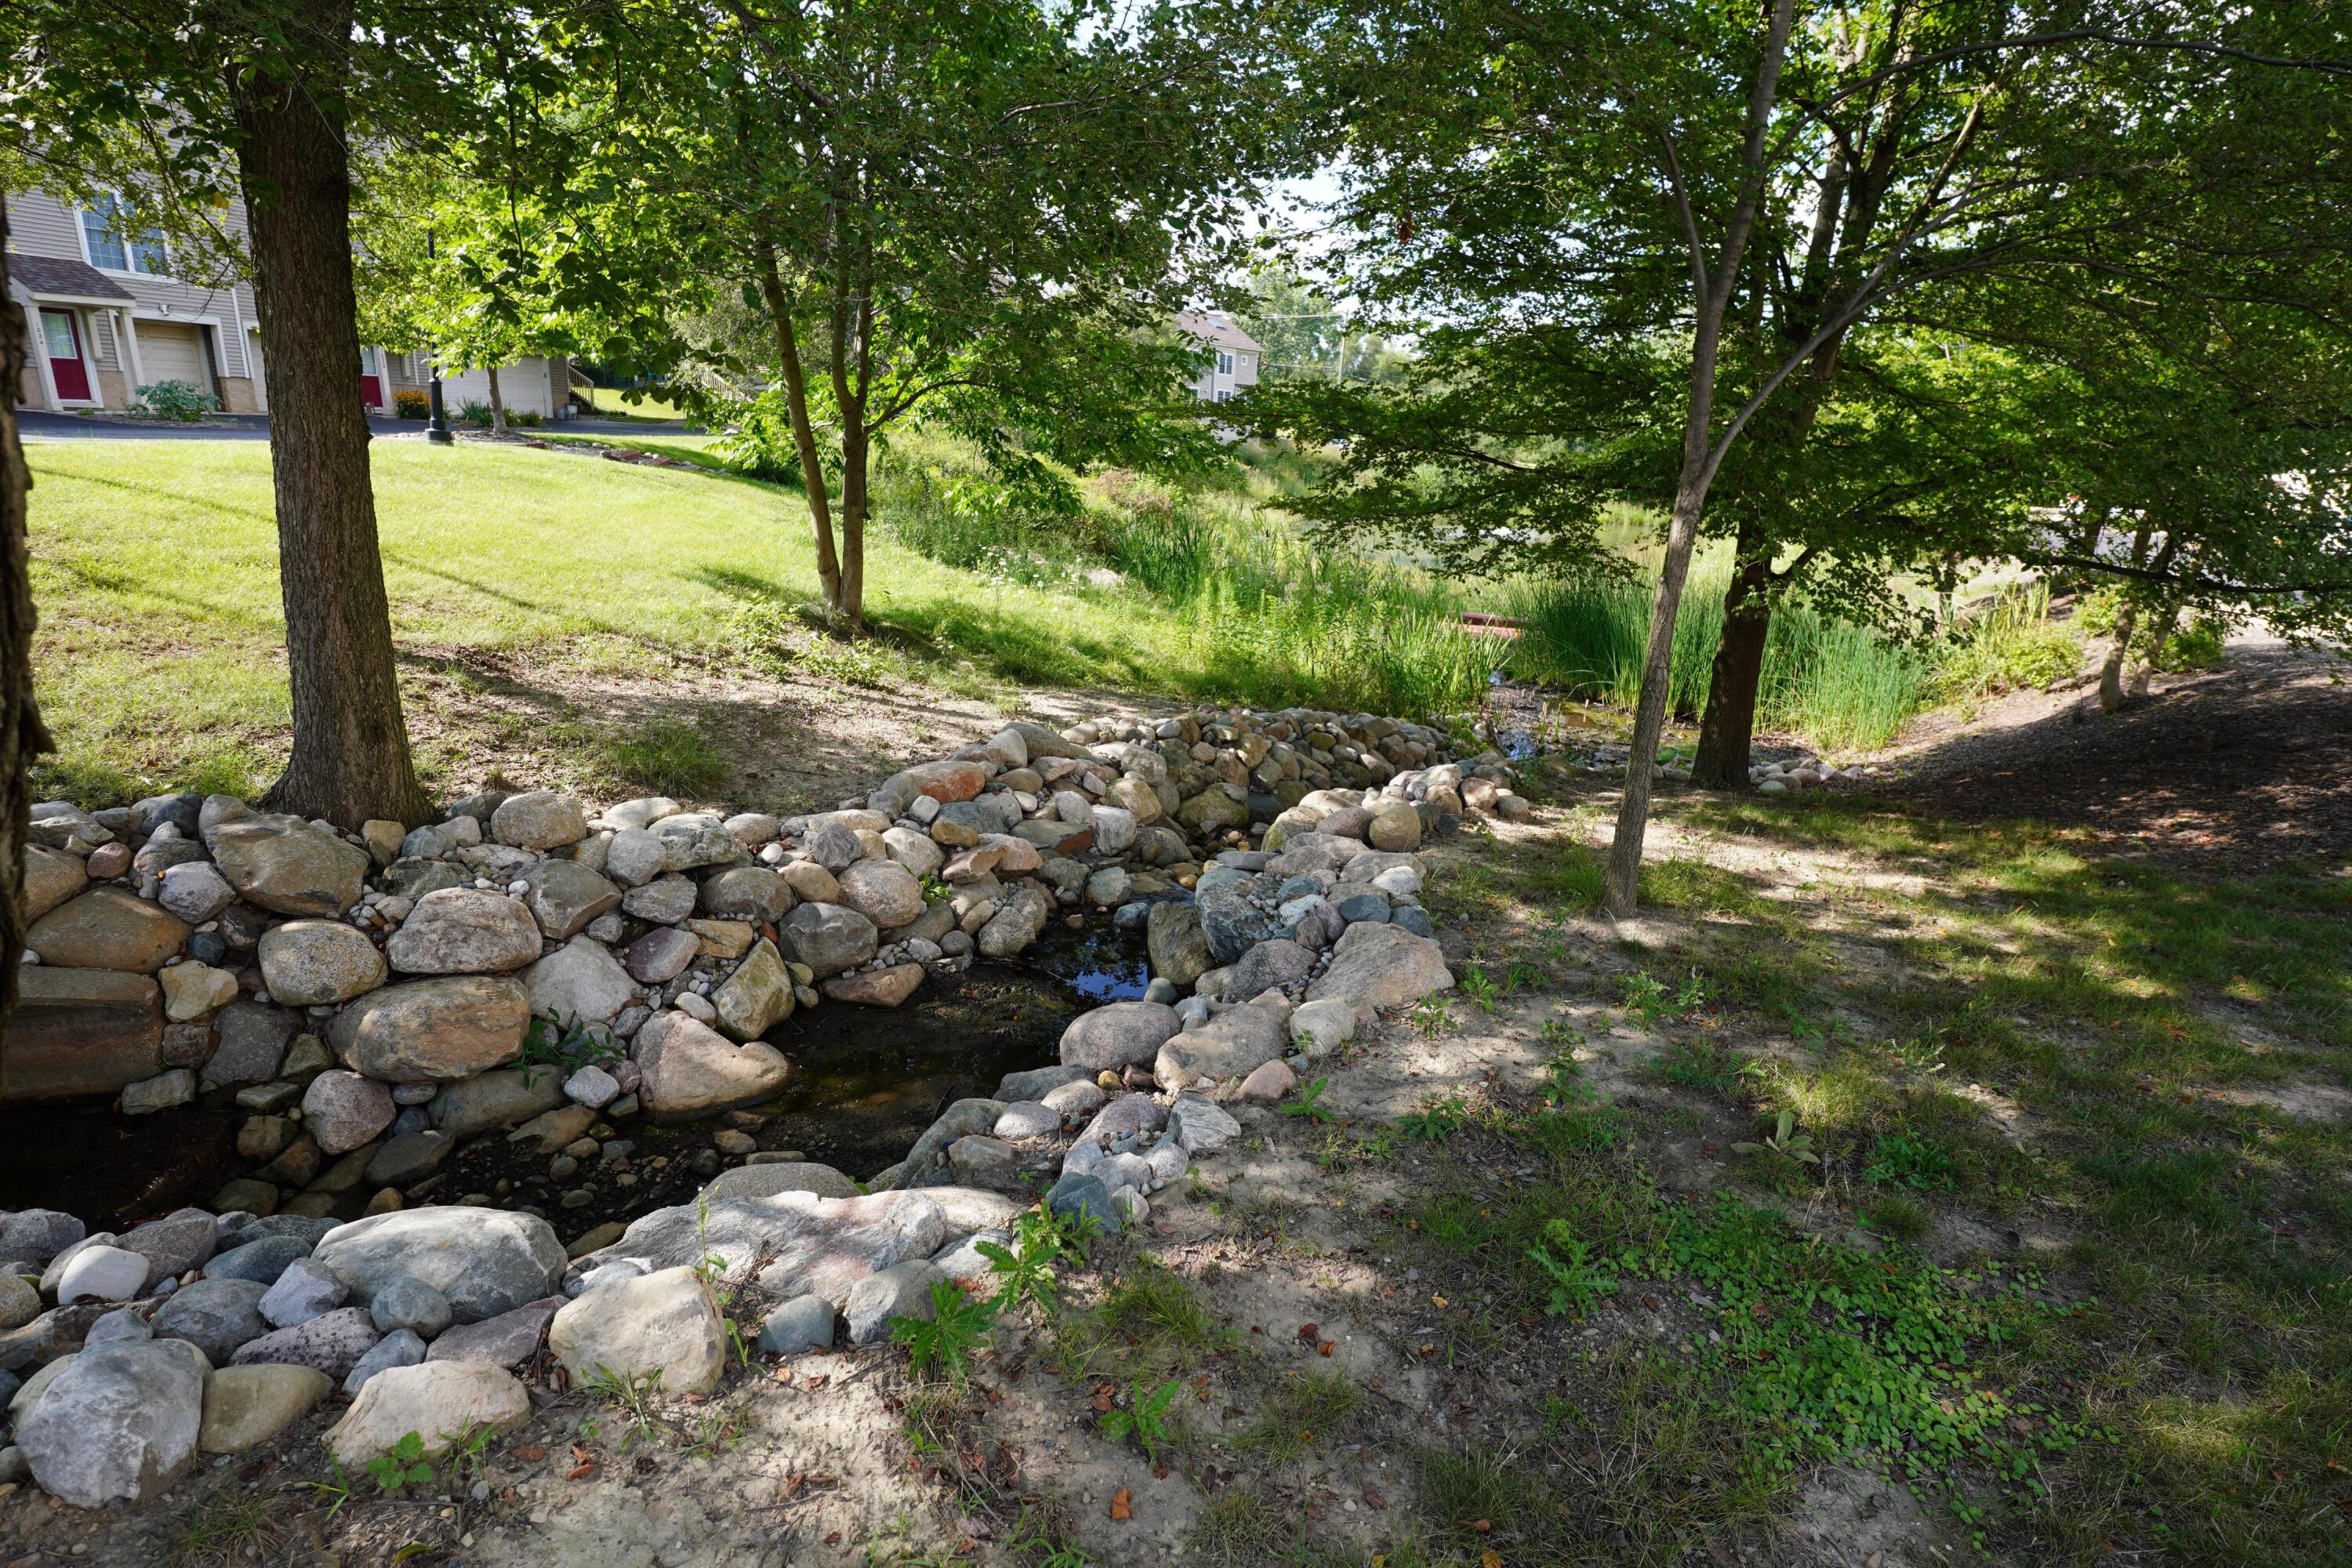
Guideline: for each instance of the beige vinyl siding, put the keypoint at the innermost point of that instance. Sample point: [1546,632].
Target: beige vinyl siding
[40,224]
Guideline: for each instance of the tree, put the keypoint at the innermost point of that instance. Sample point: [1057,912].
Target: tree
[1588,195]
[261,99]
[23,737]
[457,270]
[976,215]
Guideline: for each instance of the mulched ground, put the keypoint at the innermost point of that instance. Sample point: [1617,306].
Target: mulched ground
[2247,769]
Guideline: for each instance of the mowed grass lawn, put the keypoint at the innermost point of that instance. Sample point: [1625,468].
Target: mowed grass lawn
[159,659]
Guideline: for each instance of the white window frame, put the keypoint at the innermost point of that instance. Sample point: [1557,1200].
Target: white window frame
[1224,363]
[132,247]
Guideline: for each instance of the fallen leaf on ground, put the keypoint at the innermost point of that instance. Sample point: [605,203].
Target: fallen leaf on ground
[581,1472]
[1119,1504]
[530,1453]
[1490,1558]
[1310,1333]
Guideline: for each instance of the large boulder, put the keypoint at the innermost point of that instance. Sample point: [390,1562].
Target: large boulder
[464,930]
[689,1070]
[756,996]
[253,1043]
[439,1401]
[887,987]
[486,1261]
[663,1324]
[753,893]
[1119,1035]
[284,864]
[315,963]
[579,982]
[1232,1045]
[496,1098]
[53,876]
[883,891]
[344,1110]
[828,938]
[433,1031]
[1178,946]
[1016,924]
[564,896]
[1267,967]
[119,1425]
[538,819]
[107,928]
[331,1343]
[1381,965]
[80,1032]
[1230,920]
[802,1242]
[778,1176]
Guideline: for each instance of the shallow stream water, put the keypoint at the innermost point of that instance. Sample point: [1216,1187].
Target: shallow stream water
[869,1080]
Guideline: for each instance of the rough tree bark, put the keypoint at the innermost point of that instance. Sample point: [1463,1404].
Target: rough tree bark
[351,759]
[788,354]
[1728,726]
[2114,689]
[22,735]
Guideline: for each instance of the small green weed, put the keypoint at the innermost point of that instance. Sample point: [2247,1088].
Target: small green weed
[1310,1103]
[1891,1214]
[947,1344]
[1578,1276]
[1300,1406]
[1708,1067]
[1146,1419]
[1906,1160]
[404,1467]
[1437,1119]
[1480,987]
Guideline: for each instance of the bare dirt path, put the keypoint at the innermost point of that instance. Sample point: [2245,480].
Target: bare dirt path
[2244,769]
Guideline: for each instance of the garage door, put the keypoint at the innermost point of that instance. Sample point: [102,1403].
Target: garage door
[169,350]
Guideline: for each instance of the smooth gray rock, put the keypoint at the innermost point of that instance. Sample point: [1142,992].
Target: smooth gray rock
[1118,1035]
[405,1301]
[508,1340]
[119,1425]
[901,1290]
[306,1290]
[37,1235]
[827,938]
[801,1326]
[1038,1082]
[178,1242]
[1080,1194]
[259,1262]
[401,1347]
[486,1261]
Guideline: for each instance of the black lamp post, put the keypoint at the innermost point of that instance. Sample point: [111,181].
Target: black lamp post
[436,422]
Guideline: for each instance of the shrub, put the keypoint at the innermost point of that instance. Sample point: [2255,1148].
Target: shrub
[523,416]
[173,400]
[410,404]
[2009,645]
[474,411]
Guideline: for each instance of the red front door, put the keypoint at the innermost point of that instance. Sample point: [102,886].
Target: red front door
[371,386]
[61,336]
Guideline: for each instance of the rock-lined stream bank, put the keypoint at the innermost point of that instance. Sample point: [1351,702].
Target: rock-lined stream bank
[525,1057]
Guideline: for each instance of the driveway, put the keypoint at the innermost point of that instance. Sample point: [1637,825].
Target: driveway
[37,424]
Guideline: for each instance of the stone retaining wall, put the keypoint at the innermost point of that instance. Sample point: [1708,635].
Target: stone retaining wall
[372,1000]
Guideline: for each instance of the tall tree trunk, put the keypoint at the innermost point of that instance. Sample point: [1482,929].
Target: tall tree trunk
[22,735]
[1622,879]
[788,354]
[350,760]
[856,456]
[1727,728]
[498,402]
[2113,691]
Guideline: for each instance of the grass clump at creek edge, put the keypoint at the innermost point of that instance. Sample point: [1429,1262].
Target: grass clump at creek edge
[1842,686]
